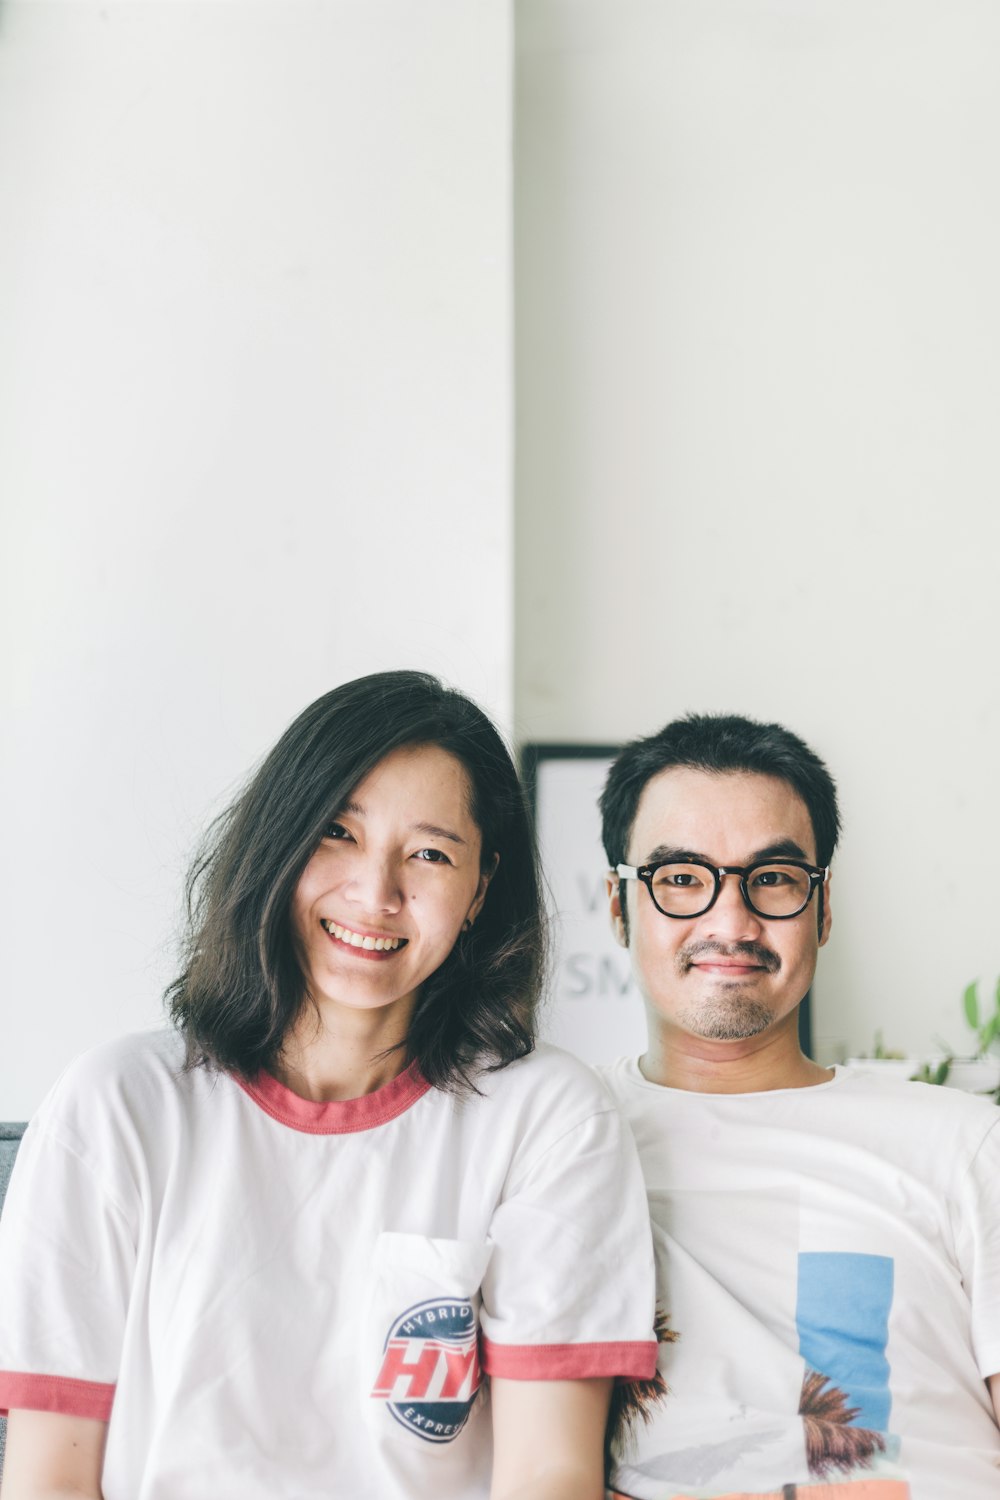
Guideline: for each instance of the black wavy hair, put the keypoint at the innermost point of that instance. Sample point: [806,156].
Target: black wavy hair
[242,987]
[719,742]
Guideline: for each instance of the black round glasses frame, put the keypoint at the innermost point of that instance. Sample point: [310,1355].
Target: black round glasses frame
[817,877]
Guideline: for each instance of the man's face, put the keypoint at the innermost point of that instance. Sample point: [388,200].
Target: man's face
[729,974]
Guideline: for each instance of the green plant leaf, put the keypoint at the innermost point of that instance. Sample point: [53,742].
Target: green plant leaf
[942,1070]
[970,1000]
[988,1034]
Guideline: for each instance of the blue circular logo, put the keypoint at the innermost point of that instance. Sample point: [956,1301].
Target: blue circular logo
[430,1368]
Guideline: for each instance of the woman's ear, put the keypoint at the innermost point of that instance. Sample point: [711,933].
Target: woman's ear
[485,876]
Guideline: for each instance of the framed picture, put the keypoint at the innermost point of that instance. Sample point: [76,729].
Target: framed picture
[593,1007]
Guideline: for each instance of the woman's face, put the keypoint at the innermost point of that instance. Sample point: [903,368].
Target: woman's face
[381,902]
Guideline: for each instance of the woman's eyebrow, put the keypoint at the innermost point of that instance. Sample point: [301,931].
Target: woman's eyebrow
[431,829]
[439,833]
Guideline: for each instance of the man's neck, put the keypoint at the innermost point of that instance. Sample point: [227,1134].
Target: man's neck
[752,1065]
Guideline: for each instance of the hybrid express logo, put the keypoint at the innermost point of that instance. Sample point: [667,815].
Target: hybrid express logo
[430,1369]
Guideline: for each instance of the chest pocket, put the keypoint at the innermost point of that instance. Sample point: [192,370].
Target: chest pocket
[423,1335]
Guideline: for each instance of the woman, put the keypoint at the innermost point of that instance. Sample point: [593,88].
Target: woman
[272,1253]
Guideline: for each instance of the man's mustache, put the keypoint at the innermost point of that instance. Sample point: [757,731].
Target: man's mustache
[756,953]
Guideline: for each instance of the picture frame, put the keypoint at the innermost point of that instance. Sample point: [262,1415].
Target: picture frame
[593,1007]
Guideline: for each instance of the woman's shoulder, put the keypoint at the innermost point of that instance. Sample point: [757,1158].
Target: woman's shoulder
[547,1075]
[129,1078]
[143,1055]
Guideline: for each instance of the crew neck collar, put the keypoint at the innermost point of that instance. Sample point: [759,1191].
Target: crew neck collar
[635,1075]
[336,1116]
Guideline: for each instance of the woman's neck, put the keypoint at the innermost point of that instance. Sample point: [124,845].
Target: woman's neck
[343,1055]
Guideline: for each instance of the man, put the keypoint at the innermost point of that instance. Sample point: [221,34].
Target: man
[828,1244]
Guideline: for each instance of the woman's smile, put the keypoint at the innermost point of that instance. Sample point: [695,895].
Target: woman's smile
[364,944]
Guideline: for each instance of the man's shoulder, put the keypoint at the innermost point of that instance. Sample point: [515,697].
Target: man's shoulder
[934,1113]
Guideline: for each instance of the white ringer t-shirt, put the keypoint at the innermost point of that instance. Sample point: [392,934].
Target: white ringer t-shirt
[269,1296]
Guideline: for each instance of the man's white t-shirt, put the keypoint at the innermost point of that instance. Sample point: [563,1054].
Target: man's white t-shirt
[271,1297]
[829,1259]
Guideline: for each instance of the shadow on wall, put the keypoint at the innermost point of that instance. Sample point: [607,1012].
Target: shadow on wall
[10,1139]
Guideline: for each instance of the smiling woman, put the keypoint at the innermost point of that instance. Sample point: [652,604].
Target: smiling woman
[275,1250]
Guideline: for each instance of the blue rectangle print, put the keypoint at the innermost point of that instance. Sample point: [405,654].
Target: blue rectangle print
[843,1322]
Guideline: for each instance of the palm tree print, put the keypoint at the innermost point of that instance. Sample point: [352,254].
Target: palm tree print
[832,1444]
[632,1401]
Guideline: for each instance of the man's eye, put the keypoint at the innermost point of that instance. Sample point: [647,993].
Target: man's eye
[773,877]
[681,880]
[433,856]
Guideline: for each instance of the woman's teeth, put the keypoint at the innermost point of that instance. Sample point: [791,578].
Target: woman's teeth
[355,940]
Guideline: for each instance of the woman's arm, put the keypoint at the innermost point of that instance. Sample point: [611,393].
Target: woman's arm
[52,1457]
[548,1439]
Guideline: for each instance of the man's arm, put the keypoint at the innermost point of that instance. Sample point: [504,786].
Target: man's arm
[548,1439]
[52,1457]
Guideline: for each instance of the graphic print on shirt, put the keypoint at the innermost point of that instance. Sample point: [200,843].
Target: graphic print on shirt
[430,1370]
[779,1374]
[842,1316]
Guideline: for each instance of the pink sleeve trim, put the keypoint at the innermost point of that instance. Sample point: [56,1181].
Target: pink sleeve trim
[72,1398]
[569,1361]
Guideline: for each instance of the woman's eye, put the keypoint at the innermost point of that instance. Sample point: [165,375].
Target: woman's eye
[335,831]
[433,856]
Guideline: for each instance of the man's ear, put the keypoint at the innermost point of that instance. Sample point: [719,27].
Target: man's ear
[613,887]
[827,923]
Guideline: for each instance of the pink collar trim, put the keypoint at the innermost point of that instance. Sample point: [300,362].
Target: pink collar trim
[336,1116]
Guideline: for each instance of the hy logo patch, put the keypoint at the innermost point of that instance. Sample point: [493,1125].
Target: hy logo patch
[430,1368]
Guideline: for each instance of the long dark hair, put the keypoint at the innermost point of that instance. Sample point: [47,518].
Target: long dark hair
[242,986]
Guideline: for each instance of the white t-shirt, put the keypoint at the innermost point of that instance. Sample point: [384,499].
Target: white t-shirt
[272,1297]
[829,1258]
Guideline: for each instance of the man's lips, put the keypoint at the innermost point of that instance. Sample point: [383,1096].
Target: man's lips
[745,961]
[727,970]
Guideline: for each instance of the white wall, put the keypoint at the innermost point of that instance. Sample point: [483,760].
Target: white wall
[254,434]
[758,370]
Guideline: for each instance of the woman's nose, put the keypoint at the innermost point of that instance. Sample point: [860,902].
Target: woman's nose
[375,886]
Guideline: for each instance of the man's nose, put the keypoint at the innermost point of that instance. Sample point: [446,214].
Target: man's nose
[730,919]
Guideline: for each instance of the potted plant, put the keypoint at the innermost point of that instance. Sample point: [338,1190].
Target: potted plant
[980,1073]
[975,1074]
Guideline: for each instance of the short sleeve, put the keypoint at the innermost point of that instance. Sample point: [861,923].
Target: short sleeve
[569,1293]
[67,1259]
[977,1235]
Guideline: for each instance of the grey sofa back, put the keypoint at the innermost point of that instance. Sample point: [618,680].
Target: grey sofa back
[10,1139]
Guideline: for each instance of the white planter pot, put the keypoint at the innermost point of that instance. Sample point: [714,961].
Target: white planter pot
[975,1075]
[887,1067]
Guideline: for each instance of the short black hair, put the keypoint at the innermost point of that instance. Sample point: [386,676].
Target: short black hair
[242,986]
[718,742]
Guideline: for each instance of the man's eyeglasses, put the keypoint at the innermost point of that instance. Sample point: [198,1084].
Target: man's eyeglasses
[774,888]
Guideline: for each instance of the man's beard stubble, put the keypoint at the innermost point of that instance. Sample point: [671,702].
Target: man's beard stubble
[730,1014]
